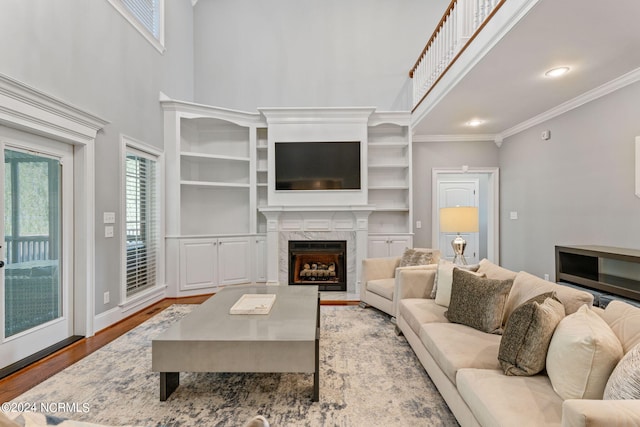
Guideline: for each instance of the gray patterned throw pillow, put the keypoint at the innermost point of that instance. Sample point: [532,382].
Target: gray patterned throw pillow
[624,382]
[527,334]
[478,302]
[412,257]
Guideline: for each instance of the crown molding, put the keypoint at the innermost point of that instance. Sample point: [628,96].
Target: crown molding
[400,118]
[302,115]
[454,138]
[605,89]
[191,110]
[25,107]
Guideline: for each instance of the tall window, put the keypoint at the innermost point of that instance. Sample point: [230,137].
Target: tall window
[141,204]
[147,16]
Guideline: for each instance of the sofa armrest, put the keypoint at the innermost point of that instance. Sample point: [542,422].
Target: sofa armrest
[413,283]
[595,413]
[377,268]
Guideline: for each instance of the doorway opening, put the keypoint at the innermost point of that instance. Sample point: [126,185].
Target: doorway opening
[461,184]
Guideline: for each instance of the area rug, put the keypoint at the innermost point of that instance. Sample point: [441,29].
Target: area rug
[368,377]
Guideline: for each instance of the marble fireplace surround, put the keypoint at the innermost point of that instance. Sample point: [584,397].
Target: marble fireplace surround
[285,223]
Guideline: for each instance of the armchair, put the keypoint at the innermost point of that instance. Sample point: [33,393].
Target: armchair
[380,277]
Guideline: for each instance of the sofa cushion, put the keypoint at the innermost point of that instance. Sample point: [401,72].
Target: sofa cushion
[582,354]
[526,337]
[382,287]
[493,271]
[499,400]
[624,382]
[455,346]
[526,286]
[624,320]
[418,256]
[444,280]
[417,311]
[478,302]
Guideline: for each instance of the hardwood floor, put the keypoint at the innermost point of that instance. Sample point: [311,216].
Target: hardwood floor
[15,384]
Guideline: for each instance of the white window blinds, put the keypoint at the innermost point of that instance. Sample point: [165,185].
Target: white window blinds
[147,12]
[141,221]
[146,16]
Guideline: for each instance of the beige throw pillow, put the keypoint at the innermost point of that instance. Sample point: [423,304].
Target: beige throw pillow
[624,382]
[477,302]
[624,321]
[582,354]
[494,271]
[444,279]
[526,337]
[526,285]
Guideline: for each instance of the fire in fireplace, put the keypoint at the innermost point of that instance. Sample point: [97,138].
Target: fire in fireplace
[318,262]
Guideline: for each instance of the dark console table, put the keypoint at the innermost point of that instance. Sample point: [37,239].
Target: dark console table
[611,270]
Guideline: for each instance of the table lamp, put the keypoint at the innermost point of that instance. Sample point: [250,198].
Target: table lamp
[461,219]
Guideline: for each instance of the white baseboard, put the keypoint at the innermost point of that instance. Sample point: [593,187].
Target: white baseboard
[116,314]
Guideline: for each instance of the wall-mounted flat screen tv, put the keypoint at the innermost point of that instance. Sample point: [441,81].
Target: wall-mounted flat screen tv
[331,165]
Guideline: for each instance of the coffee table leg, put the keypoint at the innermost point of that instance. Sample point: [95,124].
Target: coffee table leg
[169,382]
[316,374]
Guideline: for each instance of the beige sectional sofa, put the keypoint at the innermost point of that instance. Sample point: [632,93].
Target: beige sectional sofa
[379,276]
[463,361]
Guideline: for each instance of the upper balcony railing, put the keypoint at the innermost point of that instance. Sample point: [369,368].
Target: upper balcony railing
[461,22]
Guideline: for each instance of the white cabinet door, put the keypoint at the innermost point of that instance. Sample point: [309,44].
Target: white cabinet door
[198,263]
[234,260]
[378,247]
[261,259]
[397,245]
[388,245]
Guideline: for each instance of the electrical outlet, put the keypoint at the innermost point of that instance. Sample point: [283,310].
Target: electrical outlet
[418,224]
[546,276]
[106,297]
[108,231]
[513,215]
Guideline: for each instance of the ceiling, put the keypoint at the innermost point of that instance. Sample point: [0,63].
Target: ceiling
[599,41]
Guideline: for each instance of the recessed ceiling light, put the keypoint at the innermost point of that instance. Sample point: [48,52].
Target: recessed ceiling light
[557,72]
[474,122]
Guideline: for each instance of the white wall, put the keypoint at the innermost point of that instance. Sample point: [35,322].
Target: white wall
[309,53]
[85,53]
[576,188]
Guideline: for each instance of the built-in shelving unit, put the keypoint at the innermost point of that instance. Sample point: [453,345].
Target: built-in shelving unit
[212,173]
[261,176]
[389,183]
[219,195]
[614,271]
[215,170]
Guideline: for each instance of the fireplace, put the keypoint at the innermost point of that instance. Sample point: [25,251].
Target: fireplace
[318,262]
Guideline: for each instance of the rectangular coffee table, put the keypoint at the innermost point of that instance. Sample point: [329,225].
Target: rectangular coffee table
[209,339]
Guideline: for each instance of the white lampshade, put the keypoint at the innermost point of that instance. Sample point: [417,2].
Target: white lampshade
[461,219]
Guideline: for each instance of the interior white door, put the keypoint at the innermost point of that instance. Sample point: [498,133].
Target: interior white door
[452,194]
[37,233]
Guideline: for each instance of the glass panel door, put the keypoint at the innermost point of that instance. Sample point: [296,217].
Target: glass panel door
[33,293]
